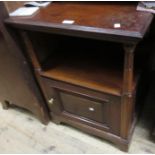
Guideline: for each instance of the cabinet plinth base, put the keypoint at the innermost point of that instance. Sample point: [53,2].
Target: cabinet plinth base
[122,144]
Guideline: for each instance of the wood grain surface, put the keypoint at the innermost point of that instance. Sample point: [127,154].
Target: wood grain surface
[98,18]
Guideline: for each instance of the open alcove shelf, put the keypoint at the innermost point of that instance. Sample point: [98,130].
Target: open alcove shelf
[88,73]
[83,62]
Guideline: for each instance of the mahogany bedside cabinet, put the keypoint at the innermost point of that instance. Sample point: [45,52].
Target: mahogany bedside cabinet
[83,55]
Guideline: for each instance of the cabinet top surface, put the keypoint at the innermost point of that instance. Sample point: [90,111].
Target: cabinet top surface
[107,18]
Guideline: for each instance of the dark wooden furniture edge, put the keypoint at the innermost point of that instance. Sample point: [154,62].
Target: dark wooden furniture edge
[81,31]
[40,109]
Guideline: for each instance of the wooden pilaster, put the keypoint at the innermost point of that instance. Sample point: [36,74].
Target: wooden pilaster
[127,92]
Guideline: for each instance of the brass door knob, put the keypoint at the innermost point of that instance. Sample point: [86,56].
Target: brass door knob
[50,101]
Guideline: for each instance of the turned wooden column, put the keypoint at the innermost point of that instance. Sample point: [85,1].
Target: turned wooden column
[127,92]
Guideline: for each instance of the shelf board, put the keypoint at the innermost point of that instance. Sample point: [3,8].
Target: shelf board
[107,79]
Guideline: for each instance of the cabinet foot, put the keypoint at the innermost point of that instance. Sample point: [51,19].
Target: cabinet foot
[123,147]
[5,105]
[56,121]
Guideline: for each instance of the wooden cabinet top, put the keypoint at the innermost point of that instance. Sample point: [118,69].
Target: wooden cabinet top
[91,19]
